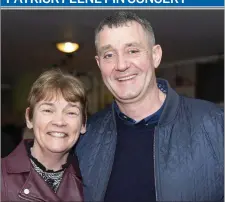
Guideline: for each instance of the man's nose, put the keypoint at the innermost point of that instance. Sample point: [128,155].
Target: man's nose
[122,63]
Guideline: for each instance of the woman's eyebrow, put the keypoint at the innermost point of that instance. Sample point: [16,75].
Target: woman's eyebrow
[73,105]
[46,103]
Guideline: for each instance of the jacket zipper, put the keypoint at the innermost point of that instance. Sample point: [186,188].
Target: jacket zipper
[156,194]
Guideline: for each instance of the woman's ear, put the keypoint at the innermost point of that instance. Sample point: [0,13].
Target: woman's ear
[84,126]
[83,129]
[27,117]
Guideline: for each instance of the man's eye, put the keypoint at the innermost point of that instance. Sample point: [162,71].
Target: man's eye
[133,51]
[109,55]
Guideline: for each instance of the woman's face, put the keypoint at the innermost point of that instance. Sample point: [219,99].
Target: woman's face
[56,124]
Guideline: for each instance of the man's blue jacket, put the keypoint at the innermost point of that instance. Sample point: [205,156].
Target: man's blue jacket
[188,151]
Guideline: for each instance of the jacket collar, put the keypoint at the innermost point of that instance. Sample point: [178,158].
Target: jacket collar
[20,155]
[18,161]
[171,104]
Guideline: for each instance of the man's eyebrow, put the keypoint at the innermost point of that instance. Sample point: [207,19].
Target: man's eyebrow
[133,44]
[104,48]
[107,47]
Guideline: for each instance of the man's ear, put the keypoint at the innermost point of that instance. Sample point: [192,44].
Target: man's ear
[156,55]
[97,60]
[27,117]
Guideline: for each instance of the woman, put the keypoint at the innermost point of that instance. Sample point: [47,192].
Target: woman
[44,169]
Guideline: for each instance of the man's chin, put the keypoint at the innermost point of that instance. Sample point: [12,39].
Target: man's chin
[127,97]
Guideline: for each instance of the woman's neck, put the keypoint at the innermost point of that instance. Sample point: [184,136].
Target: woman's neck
[50,160]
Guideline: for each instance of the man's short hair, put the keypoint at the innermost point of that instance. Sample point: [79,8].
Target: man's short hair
[121,18]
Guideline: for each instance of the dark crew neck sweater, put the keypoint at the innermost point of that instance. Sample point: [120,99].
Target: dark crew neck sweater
[132,176]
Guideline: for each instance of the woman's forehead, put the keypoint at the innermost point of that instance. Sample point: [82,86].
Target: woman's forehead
[52,97]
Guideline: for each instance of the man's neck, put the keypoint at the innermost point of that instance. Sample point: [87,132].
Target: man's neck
[51,161]
[142,108]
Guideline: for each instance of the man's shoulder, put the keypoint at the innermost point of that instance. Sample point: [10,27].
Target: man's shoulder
[100,115]
[198,106]
[96,125]
[207,118]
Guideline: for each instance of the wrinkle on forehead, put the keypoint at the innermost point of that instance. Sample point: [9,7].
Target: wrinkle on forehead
[139,28]
[108,38]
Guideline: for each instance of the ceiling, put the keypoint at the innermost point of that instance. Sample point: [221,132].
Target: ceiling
[28,36]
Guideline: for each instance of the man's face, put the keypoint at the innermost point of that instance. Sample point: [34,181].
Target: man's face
[127,61]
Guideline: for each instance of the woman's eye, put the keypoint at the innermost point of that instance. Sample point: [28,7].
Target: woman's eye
[47,110]
[73,113]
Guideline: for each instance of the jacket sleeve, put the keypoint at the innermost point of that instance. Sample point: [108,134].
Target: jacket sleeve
[217,140]
[213,124]
[3,185]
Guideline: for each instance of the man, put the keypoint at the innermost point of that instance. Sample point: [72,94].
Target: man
[151,144]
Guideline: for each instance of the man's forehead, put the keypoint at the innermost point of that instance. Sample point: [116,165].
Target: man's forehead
[128,44]
[107,37]
[121,32]
[119,25]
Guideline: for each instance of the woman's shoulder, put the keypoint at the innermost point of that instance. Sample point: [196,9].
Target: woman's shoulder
[17,159]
